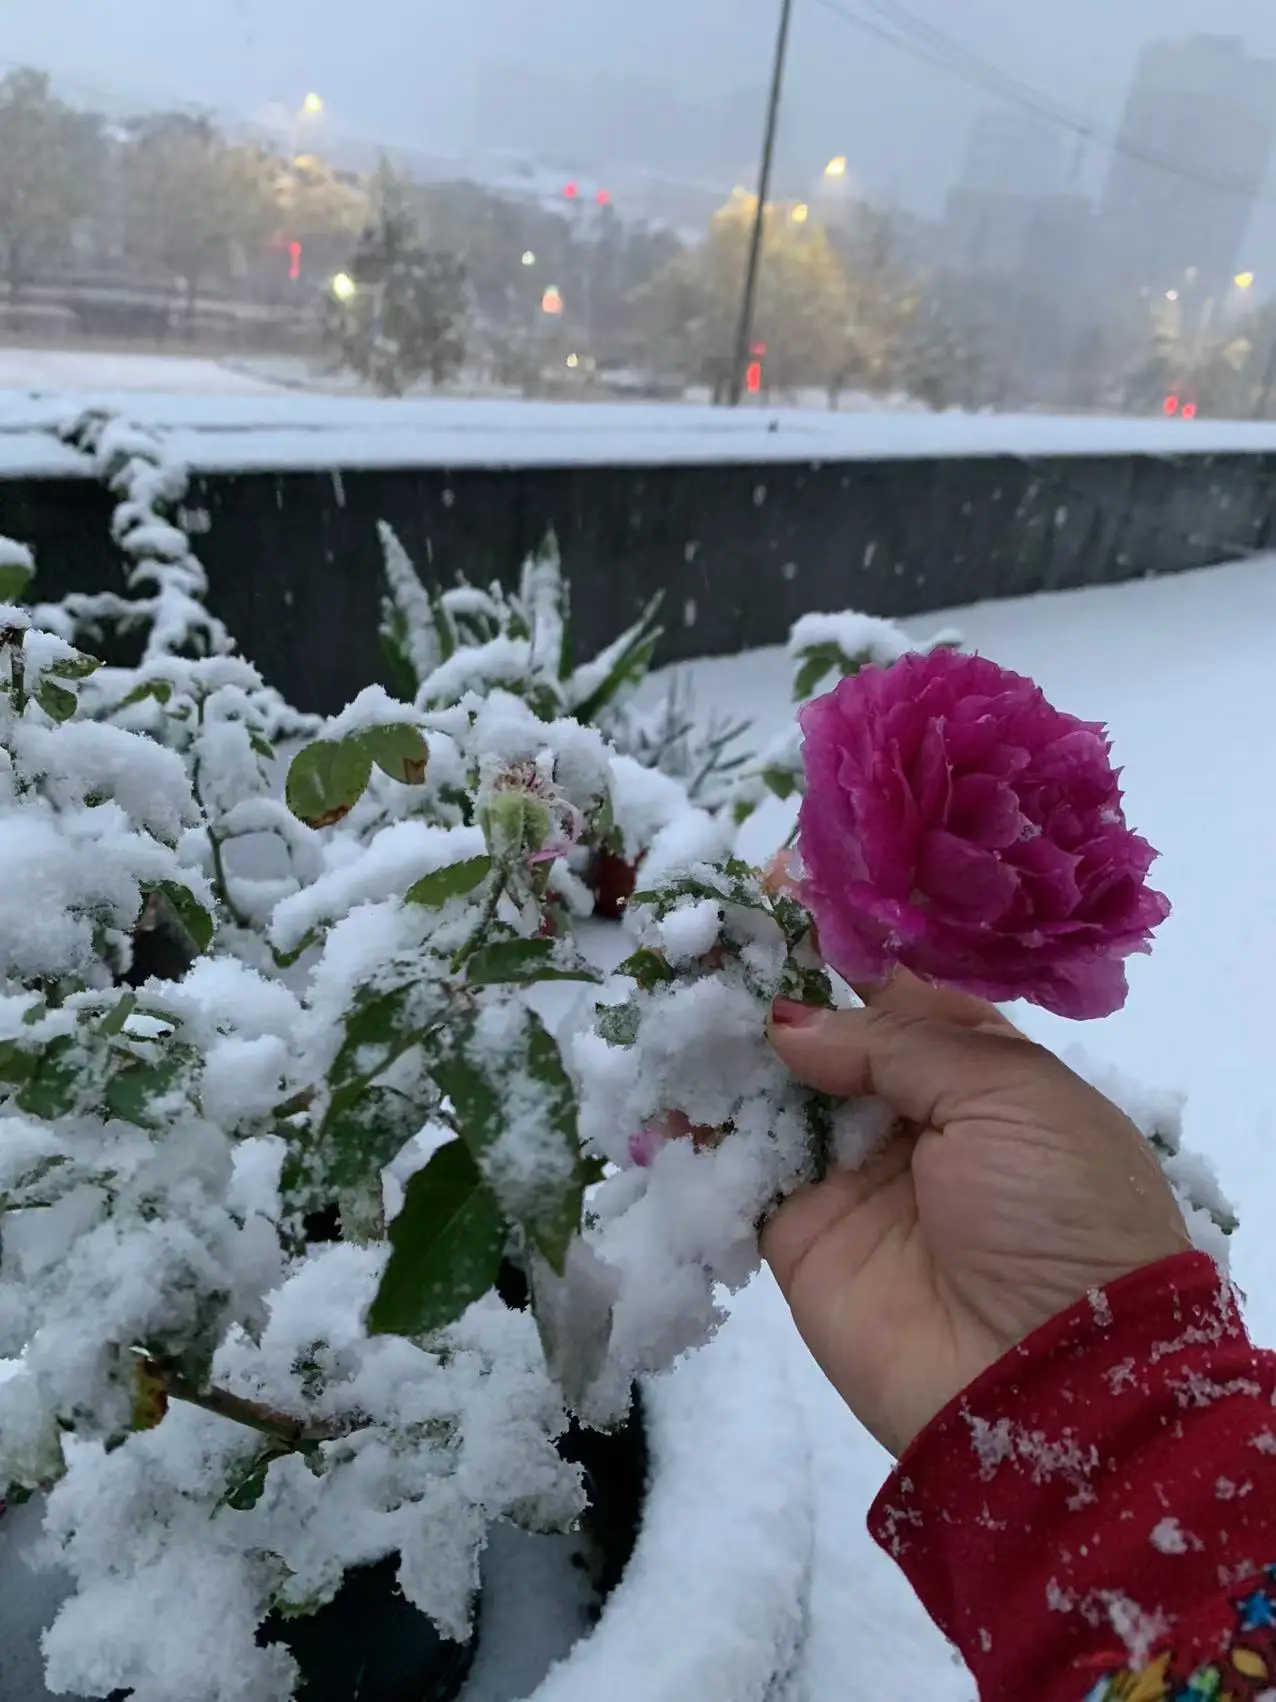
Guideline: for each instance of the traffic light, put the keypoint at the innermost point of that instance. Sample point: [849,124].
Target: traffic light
[294,261]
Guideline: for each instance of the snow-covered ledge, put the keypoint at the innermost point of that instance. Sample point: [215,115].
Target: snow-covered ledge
[295,432]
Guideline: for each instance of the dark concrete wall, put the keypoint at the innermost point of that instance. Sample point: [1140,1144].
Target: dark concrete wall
[740,551]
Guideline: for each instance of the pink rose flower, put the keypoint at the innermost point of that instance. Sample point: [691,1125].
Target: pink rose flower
[957,824]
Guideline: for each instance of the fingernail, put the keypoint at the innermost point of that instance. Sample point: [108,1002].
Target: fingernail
[788,1013]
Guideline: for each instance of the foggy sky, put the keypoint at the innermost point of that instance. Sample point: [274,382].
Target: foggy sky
[403,72]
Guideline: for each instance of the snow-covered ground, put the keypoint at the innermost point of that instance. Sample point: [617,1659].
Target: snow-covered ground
[1179,669]
[220,416]
[85,369]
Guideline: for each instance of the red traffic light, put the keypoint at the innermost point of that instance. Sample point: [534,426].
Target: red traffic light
[571,191]
[294,261]
[603,197]
[1171,406]
[1189,410]
[753,377]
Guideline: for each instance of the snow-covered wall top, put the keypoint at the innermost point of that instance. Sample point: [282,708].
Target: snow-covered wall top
[223,433]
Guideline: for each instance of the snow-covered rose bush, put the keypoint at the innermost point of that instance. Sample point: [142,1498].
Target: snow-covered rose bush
[252,1217]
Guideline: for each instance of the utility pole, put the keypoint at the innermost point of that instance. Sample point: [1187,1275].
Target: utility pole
[744,338]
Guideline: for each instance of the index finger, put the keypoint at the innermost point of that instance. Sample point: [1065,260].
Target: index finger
[926,1071]
[907,995]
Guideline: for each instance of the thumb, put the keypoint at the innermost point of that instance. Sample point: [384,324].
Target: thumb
[926,1070]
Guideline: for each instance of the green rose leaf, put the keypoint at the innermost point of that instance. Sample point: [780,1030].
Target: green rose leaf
[446,1248]
[160,690]
[130,1094]
[57,702]
[15,576]
[454,881]
[73,667]
[53,1088]
[499,1120]
[327,779]
[398,750]
[619,1024]
[522,963]
[197,924]
[648,969]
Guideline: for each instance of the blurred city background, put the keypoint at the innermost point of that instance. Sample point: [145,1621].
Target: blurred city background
[970,206]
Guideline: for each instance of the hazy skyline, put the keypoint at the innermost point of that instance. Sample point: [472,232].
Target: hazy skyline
[403,72]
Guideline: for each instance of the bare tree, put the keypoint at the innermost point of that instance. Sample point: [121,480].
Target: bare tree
[194,204]
[49,162]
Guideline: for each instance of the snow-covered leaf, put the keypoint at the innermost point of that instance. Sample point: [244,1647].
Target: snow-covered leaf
[446,1247]
[327,779]
[522,963]
[57,702]
[399,751]
[515,1109]
[454,881]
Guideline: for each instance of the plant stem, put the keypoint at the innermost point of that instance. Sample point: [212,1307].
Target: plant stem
[290,1431]
[220,884]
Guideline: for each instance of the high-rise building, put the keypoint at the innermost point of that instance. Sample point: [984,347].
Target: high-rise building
[1012,153]
[1013,164]
[1194,151]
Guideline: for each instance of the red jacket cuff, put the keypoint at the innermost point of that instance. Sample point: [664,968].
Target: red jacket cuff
[1101,1492]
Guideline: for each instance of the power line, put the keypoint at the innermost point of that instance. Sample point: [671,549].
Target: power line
[905,31]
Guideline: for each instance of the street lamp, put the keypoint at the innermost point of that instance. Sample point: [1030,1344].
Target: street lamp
[837,166]
[344,287]
[529,259]
[800,214]
[312,106]
[1244,280]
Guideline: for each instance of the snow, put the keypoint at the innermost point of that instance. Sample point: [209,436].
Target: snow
[219,418]
[47,370]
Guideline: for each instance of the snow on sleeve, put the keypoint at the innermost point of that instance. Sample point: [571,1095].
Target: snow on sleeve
[399,856]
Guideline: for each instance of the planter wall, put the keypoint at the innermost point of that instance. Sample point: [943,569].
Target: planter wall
[740,550]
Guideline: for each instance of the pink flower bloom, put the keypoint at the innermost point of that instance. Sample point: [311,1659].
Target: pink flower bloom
[957,824]
[644,1146]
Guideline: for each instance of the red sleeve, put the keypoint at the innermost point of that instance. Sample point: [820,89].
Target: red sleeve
[1102,1503]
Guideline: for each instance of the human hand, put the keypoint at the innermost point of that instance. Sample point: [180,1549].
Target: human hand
[1012,1189]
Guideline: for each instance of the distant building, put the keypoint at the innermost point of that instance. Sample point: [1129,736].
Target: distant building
[1195,146]
[1012,153]
[1014,164]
